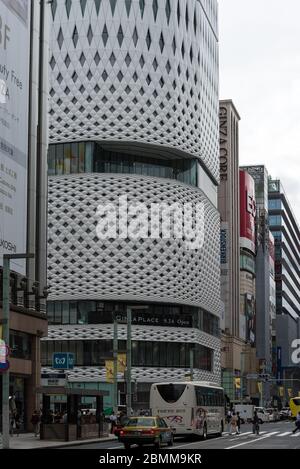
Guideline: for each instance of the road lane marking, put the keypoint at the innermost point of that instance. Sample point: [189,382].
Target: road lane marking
[296,434]
[239,435]
[253,441]
[284,434]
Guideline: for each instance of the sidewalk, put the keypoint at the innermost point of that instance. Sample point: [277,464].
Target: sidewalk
[29,441]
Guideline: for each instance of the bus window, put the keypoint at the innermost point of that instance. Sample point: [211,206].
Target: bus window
[171,392]
[199,397]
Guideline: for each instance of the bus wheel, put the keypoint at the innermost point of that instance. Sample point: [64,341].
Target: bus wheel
[204,434]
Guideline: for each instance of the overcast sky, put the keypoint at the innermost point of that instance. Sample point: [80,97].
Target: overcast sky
[260,72]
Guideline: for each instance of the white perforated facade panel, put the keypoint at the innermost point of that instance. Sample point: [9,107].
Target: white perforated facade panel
[133,72]
[136,71]
[82,266]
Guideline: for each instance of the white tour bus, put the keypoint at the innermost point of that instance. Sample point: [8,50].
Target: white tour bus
[190,408]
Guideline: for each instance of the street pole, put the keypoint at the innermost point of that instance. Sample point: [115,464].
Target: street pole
[115,356]
[5,335]
[192,363]
[242,375]
[129,314]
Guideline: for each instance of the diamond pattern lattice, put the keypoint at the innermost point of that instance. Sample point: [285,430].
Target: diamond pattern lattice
[126,60]
[80,266]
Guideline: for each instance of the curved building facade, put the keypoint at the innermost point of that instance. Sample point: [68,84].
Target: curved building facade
[134,116]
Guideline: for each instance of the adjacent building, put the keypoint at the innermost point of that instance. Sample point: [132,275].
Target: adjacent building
[229,208]
[23,209]
[133,112]
[285,229]
[247,320]
[264,306]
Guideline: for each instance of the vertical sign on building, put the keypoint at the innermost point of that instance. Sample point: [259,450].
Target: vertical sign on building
[248,211]
[14,107]
[279,365]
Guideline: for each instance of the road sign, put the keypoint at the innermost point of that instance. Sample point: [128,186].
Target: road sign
[63,361]
[54,379]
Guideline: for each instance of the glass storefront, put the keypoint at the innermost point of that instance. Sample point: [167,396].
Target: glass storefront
[144,353]
[91,157]
[97,312]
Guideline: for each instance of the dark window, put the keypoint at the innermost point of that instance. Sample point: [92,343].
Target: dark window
[20,345]
[171,392]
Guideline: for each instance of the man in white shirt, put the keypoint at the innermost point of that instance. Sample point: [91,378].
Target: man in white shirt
[113,421]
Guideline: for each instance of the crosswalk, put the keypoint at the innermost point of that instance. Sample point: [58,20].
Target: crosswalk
[276,434]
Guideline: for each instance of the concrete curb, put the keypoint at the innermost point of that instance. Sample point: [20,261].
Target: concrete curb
[78,443]
[70,443]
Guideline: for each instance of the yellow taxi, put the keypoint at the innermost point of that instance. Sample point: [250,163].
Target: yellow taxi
[295,406]
[146,431]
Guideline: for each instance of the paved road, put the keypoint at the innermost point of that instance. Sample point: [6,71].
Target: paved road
[272,436]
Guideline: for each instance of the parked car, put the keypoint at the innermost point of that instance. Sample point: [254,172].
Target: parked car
[145,431]
[285,413]
[273,414]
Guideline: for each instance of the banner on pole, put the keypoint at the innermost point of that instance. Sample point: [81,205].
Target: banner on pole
[259,387]
[237,383]
[121,362]
[109,368]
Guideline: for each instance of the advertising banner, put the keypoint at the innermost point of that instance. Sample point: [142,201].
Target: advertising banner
[247,211]
[121,362]
[272,254]
[14,102]
[109,368]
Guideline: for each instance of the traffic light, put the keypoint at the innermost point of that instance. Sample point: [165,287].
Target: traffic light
[264,377]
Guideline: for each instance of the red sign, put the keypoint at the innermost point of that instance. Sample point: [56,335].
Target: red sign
[272,248]
[247,211]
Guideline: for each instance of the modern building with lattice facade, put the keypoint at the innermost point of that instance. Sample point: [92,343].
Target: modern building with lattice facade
[133,113]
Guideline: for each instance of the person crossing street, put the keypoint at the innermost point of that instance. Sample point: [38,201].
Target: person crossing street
[255,424]
[297,423]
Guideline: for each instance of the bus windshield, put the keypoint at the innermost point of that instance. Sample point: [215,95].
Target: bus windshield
[171,392]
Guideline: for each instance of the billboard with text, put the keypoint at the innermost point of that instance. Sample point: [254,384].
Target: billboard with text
[247,211]
[14,108]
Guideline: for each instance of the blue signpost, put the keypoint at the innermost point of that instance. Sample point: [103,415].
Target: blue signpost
[63,361]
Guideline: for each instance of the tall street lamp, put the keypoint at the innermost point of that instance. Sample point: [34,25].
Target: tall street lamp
[129,350]
[5,334]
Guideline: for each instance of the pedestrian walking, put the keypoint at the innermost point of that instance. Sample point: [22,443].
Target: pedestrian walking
[18,423]
[297,423]
[35,421]
[65,417]
[255,422]
[239,421]
[228,420]
[113,421]
[233,424]
[12,424]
